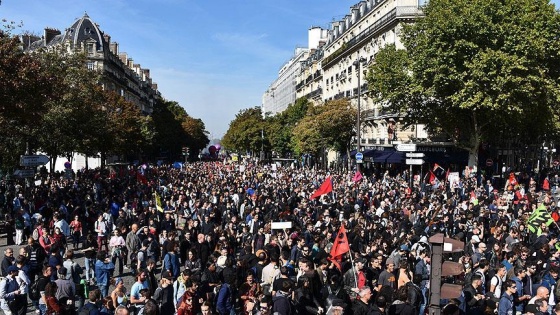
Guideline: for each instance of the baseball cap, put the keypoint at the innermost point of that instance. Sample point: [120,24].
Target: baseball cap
[404,247]
[12,268]
[167,275]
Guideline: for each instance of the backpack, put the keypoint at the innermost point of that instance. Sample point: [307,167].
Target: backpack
[86,309]
[34,293]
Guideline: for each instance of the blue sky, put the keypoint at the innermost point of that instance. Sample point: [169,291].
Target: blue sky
[212,57]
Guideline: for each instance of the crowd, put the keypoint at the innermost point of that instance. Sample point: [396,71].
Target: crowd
[206,239]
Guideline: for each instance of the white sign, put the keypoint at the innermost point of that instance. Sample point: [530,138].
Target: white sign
[453,179]
[33,160]
[281,225]
[406,147]
[415,155]
[414,161]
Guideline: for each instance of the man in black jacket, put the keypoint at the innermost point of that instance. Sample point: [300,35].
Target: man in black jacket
[473,298]
[7,261]
[281,303]
[361,305]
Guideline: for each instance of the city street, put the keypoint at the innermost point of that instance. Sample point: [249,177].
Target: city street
[79,257]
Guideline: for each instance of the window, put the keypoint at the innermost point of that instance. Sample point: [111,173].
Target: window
[91,65]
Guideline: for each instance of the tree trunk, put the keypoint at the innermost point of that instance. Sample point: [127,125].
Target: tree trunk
[87,164]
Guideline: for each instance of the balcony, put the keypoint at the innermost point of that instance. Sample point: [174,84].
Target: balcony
[406,12]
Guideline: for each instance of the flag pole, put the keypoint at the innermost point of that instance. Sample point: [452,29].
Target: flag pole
[353,268]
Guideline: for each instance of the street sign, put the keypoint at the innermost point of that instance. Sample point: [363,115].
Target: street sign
[33,160]
[406,147]
[359,156]
[414,161]
[415,155]
[24,173]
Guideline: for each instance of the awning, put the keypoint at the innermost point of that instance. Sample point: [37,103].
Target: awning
[394,157]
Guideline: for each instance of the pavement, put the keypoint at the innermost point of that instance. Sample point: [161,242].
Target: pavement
[78,257]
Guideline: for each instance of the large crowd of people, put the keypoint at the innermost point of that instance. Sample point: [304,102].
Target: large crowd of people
[243,238]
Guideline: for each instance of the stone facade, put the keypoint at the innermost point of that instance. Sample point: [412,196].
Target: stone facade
[120,73]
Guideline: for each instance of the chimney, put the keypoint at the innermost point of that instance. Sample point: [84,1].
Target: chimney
[123,57]
[49,34]
[114,47]
[107,38]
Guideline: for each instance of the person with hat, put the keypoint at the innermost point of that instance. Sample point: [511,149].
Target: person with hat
[10,293]
[164,293]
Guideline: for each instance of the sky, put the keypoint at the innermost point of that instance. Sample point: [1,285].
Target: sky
[214,58]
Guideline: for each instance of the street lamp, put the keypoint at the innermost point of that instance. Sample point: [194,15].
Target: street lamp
[358,64]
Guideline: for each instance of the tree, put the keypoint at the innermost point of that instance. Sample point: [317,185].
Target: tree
[24,90]
[279,128]
[328,126]
[472,68]
[245,131]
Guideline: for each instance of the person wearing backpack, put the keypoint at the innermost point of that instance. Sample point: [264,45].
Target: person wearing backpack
[37,290]
[496,283]
[90,307]
[224,298]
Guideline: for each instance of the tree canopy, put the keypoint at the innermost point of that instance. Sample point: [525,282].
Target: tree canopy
[472,68]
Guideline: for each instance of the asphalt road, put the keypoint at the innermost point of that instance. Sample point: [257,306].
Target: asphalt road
[78,257]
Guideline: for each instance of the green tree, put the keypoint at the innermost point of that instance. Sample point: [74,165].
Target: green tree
[279,128]
[24,90]
[472,68]
[245,131]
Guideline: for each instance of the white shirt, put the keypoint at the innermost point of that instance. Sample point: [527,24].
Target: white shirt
[497,282]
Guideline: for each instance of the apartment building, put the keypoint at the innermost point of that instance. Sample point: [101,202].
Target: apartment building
[120,73]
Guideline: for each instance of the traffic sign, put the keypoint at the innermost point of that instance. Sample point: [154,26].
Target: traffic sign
[24,173]
[33,160]
[415,155]
[406,147]
[414,161]
[489,162]
[359,156]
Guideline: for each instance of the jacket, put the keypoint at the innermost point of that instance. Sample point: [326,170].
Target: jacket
[281,304]
[225,300]
[171,263]
[506,305]
[102,271]
[360,308]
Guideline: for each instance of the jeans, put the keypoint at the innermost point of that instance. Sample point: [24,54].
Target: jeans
[43,309]
[89,268]
[104,290]
[423,305]
[114,259]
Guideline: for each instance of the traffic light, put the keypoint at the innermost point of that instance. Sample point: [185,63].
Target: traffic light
[441,269]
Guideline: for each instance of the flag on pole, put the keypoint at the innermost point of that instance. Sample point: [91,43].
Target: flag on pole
[324,189]
[340,247]
[447,174]
[433,178]
[357,177]
[437,167]
[159,205]
[539,216]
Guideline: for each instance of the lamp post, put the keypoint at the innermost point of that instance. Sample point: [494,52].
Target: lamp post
[358,64]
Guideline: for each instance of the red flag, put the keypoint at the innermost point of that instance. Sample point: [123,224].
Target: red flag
[447,174]
[546,184]
[357,177]
[340,247]
[326,187]
[432,178]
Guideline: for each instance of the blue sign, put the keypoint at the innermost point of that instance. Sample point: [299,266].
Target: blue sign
[359,156]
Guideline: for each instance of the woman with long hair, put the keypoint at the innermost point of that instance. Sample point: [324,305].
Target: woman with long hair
[53,306]
[90,246]
[404,274]
[192,262]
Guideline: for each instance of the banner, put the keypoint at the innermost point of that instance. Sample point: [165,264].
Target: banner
[325,188]
[539,216]
[159,205]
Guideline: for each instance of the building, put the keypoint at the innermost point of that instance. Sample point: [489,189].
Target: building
[120,73]
[282,92]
